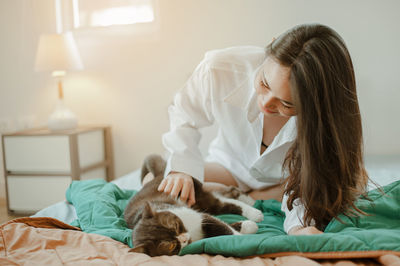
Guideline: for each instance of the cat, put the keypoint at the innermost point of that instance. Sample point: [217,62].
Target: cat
[163,225]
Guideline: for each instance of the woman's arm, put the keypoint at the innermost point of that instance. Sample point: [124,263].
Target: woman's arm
[293,224]
[190,111]
[300,230]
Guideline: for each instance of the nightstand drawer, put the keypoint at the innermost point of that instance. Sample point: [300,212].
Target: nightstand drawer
[37,153]
[30,194]
[51,153]
[40,164]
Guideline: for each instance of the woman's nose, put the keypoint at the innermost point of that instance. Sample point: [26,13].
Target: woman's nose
[268,101]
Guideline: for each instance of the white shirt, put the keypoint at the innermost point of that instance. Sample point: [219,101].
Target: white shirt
[221,90]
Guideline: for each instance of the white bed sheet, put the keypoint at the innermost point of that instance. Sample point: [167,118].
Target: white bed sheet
[65,211]
[383,170]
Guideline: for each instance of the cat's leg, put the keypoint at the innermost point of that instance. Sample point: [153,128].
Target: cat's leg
[147,178]
[153,166]
[245,227]
[232,192]
[245,210]
[211,227]
[215,204]
[213,186]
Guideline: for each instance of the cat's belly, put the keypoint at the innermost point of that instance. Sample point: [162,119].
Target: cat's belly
[192,221]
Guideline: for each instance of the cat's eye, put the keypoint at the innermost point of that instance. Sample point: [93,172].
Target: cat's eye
[170,246]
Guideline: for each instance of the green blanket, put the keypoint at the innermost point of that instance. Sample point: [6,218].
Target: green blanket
[100,205]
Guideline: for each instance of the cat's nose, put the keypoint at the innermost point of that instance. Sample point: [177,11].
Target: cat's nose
[184,238]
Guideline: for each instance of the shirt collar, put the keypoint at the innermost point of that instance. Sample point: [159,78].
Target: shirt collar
[287,133]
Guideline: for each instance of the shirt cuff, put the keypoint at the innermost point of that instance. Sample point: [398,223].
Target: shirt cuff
[294,217]
[193,168]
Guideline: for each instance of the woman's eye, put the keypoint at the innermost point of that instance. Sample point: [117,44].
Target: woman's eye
[264,88]
[264,85]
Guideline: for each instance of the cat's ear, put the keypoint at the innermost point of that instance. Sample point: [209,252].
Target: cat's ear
[139,249]
[148,212]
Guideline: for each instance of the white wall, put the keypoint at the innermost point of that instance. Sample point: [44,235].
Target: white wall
[129,80]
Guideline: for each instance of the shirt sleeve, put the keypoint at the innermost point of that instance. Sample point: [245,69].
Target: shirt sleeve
[294,217]
[190,111]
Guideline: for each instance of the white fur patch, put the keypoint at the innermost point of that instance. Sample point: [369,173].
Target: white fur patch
[248,227]
[192,221]
[247,211]
[236,233]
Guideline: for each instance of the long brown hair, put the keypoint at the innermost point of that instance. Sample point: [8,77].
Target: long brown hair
[325,163]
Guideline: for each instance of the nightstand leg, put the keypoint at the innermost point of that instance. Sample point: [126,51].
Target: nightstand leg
[109,154]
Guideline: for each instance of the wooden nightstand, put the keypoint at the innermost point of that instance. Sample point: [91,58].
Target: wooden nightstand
[40,164]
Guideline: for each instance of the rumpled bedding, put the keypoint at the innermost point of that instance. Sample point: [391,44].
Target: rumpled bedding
[100,205]
[47,241]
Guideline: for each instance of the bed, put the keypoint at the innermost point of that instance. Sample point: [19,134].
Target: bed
[55,236]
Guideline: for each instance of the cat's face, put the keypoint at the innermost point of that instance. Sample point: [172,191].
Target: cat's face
[159,233]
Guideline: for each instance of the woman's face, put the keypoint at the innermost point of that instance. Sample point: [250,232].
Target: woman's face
[273,89]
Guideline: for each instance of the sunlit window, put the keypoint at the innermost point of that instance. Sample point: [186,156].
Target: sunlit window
[104,13]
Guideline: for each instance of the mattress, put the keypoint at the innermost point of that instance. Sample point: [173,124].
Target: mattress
[382,169]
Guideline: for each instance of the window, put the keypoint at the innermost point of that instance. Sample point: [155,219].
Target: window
[105,13]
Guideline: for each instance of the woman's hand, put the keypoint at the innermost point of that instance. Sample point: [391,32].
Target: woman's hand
[309,230]
[177,182]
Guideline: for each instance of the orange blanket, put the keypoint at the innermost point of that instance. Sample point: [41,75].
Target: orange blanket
[47,241]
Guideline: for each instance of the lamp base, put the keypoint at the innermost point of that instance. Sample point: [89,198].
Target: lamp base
[62,118]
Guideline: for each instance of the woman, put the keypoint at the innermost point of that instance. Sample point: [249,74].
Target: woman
[289,111]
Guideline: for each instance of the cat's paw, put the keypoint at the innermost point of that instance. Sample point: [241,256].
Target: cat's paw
[246,199]
[253,214]
[248,227]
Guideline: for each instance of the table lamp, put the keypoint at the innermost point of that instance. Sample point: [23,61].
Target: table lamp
[58,53]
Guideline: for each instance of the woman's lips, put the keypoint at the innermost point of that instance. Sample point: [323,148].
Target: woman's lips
[269,111]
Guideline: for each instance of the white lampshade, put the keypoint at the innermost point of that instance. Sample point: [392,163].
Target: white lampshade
[57,52]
